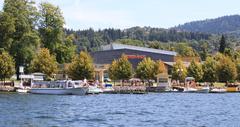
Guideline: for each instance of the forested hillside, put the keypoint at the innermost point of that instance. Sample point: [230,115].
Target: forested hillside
[91,40]
[225,24]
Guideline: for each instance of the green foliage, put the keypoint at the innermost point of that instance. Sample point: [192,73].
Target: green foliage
[7,28]
[225,24]
[238,70]
[130,42]
[21,37]
[51,26]
[91,40]
[210,70]
[113,70]
[184,50]
[222,44]
[195,70]
[160,67]
[65,52]
[146,69]
[7,66]
[121,69]
[44,62]
[81,67]
[226,69]
[179,71]
[52,33]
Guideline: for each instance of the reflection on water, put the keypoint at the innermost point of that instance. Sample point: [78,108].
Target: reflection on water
[166,109]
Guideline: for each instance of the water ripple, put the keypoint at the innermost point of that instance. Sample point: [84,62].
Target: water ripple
[164,110]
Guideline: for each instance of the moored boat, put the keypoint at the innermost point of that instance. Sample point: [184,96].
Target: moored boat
[218,90]
[204,90]
[59,88]
[94,90]
[189,90]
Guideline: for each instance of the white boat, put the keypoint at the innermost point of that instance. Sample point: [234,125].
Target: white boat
[23,90]
[108,88]
[59,88]
[204,90]
[218,90]
[94,90]
[25,80]
[189,90]
[189,81]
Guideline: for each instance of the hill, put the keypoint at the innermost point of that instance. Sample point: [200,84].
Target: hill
[91,40]
[222,25]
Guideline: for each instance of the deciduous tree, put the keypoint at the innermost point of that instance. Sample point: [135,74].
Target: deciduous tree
[81,67]
[146,69]
[45,63]
[121,69]
[195,70]
[179,71]
[7,66]
[210,70]
[226,69]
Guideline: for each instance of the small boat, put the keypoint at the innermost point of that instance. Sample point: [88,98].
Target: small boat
[108,88]
[94,90]
[190,90]
[25,83]
[190,83]
[218,90]
[59,88]
[204,90]
[232,88]
[23,90]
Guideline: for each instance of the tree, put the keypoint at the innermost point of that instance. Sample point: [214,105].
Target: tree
[51,26]
[146,69]
[210,70]
[7,28]
[113,71]
[81,67]
[160,67]
[195,70]
[226,69]
[121,69]
[7,66]
[183,49]
[179,71]
[22,36]
[238,70]
[65,52]
[52,33]
[45,63]
[222,44]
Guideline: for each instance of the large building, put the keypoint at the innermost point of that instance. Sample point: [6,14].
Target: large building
[135,54]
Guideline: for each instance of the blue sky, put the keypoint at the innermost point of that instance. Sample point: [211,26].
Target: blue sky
[99,14]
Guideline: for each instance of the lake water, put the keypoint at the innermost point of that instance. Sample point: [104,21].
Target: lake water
[106,110]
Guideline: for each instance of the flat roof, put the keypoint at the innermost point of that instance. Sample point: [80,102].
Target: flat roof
[115,46]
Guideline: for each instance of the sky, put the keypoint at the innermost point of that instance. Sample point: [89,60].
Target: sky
[100,14]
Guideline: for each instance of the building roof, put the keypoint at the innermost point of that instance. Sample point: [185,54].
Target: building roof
[115,46]
[186,64]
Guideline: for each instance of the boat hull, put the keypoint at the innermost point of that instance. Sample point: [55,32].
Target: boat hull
[94,90]
[59,91]
[22,90]
[190,90]
[204,90]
